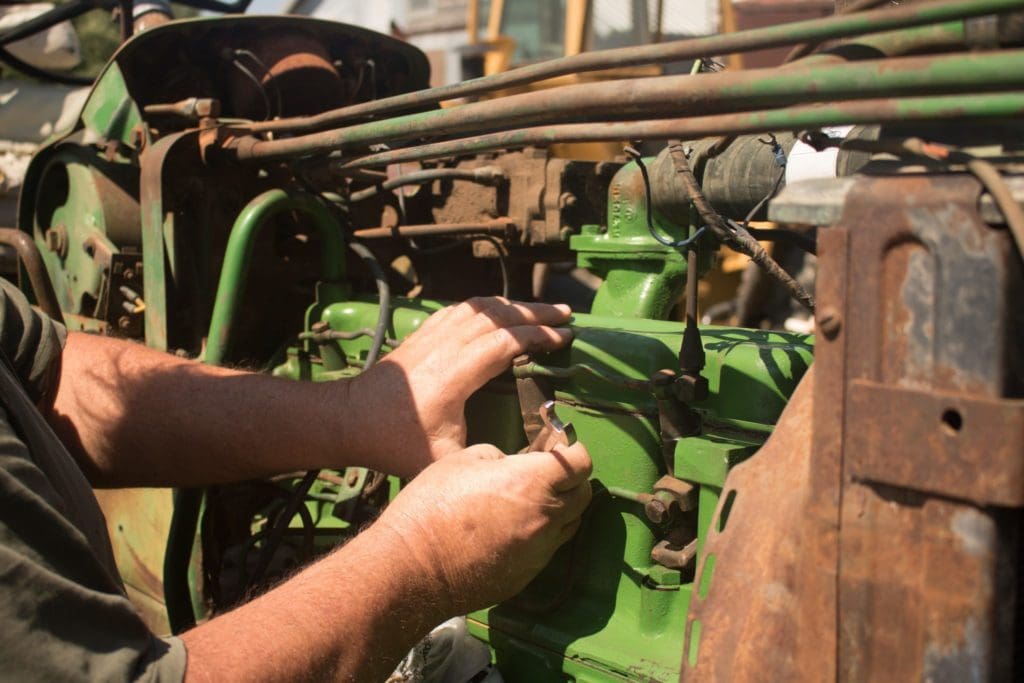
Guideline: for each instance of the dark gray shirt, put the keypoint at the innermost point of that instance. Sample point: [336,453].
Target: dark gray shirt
[63,612]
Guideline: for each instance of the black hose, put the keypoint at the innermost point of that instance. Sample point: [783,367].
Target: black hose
[180,538]
[295,501]
[384,296]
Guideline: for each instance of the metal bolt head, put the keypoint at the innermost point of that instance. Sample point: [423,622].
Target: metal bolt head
[124,322]
[656,511]
[829,322]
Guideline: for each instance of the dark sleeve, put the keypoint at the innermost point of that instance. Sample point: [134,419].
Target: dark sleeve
[63,614]
[62,618]
[32,342]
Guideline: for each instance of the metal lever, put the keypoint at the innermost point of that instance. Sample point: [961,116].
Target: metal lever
[555,432]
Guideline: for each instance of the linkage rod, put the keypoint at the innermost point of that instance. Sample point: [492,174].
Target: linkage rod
[669,96]
[814,30]
[885,110]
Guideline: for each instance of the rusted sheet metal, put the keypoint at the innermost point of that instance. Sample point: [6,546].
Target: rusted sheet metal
[820,573]
[974,446]
[755,564]
[932,331]
[922,594]
[935,289]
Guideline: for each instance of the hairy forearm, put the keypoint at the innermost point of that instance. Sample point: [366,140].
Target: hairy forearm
[135,417]
[350,617]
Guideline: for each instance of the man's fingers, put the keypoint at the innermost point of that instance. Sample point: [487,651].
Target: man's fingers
[479,316]
[485,451]
[576,499]
[492,354]
[563,469]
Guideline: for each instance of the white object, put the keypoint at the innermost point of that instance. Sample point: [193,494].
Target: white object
[448,654]
[57,48]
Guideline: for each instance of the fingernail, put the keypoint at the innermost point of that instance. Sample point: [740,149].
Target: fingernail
[564,308]
[564,332]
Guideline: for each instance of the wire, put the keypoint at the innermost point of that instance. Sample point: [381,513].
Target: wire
[276,535]
[675,244]
[241,52]
[736,236]
[384,297]
[256,82]
[501,262]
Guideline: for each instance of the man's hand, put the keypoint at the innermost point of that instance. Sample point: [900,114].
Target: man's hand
[412,401]
[483,524]
[471,530]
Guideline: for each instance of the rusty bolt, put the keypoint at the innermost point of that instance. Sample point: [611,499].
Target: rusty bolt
[124,322]
[566,199]
[656,511]
[829,322]
[128,274]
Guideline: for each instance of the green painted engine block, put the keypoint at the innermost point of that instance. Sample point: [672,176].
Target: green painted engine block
[604,610]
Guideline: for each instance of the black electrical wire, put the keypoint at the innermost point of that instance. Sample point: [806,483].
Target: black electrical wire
[276,535]
[675,244]
[241,52]
[384,297]
[256,82]
[736,236]
[505,284]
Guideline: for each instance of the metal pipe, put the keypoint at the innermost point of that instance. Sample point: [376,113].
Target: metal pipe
[32,262]
[829,28]
[484,175]
[250,221]
[670,95]
[499,226]
[886,110]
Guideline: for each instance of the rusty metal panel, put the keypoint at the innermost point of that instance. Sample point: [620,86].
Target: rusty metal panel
[974,447]
[773,582]
[932,435]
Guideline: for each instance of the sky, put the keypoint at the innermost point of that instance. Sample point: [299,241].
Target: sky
[266,6]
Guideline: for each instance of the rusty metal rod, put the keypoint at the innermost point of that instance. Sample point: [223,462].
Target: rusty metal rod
[32,262]
[669,96]
[814,30]
[885,110]
[499,226]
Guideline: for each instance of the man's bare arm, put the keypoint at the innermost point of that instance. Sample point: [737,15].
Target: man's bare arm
[135,417]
